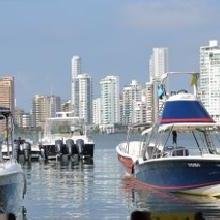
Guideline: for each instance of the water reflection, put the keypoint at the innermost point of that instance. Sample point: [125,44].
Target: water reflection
[167,205]
[57,186]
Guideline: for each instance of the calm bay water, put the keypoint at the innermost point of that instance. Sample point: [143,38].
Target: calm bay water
[100,190]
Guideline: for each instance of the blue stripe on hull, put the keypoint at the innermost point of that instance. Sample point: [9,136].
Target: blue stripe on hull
[176,174]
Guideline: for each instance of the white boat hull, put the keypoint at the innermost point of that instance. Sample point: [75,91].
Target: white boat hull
[12,187]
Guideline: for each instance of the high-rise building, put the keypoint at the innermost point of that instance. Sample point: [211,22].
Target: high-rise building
[18,117]
[76,70]
[85,97]
[96,111]
[139,112]
[26,120]
[209,82]
[109,101]
[76,66]
[130,95]
[66,106]
[44,107]
[158,63]
[7,96]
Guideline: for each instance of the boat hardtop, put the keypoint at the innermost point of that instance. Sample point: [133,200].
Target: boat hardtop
[64,128]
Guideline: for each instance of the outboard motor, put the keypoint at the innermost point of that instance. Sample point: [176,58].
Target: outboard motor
[58,146]
[27,151]
[72,147]
[64,149]
[43,152]
[16,149]
[80,145]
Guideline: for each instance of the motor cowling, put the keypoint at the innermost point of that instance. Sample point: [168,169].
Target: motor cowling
[16,149]
[71,147]
[80,144]
[27,150]
[58,145]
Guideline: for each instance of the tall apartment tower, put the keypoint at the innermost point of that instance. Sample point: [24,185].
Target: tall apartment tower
[44,107]
[85,97]
[75,71]
[96,111]
[158,63]
[7,96]
[131,94]
[209,82]
[109,101]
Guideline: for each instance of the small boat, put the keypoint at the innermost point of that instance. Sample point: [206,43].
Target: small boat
[12,178]
[24,150]
[65,138]
[179,153]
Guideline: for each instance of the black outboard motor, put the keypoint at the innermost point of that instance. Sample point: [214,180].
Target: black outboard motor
[27,151]
[72,147]
[64,149]
[80,144]
[43,152]
[58,146]
[16,149]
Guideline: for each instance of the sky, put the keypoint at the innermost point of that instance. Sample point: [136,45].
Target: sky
[39,38]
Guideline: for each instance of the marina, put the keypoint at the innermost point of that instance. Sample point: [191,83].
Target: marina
[109,110]
[101,189]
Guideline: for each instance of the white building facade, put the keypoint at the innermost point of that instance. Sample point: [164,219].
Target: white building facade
[75,71]
[209,81]
[85,97]
[109,101]
[158,65]
[96,111]
[131,94]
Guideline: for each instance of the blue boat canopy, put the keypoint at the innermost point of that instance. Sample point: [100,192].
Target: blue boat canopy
[184,108]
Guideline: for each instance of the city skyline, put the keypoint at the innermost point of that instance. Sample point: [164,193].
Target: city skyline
[113,37]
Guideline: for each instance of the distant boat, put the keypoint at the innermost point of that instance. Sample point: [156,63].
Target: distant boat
[180,153]
[24,150]
[12,178]
[65,137]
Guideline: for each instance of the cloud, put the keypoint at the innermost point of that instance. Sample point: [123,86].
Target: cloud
[168,14]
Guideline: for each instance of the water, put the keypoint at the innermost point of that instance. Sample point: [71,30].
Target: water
[101,190]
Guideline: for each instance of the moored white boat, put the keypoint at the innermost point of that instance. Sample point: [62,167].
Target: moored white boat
[65,137]
[12,178]
[180,152]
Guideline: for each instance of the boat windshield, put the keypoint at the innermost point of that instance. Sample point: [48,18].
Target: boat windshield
[195,141]
[64,126]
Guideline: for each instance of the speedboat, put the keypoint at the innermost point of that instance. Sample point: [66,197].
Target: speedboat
[12,178]
[65,138]
[180,152]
